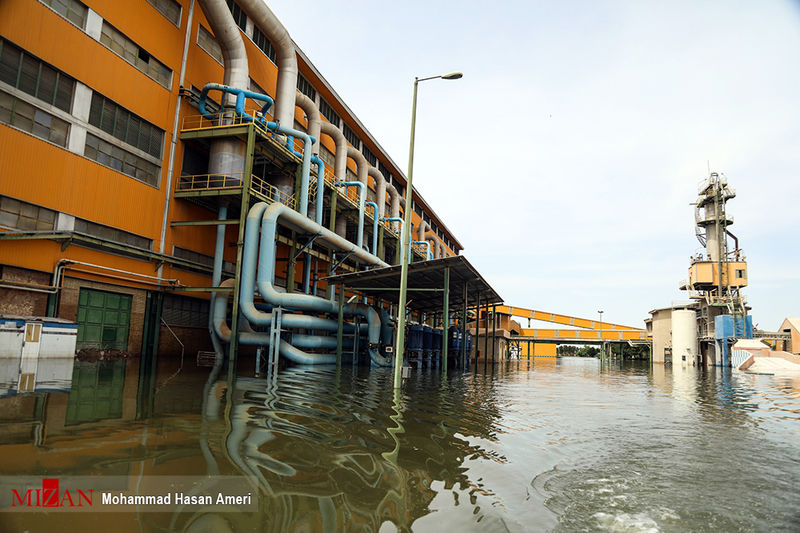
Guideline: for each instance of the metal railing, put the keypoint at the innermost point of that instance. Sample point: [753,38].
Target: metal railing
[202,182]
[258,186]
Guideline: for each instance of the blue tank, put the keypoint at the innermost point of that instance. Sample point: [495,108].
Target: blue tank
[437,340]
[454,339]
[427,338]
[415,338]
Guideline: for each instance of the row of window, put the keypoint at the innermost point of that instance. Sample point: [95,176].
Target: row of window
[25,216]
[33,76]
[169,8]
[72,10]
[125,126]
[137,56]
[24,116]
[30,75]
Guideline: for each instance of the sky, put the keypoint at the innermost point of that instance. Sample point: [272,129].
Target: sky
[566,159]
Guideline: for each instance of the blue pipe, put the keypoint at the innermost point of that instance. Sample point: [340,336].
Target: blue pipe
[374,227]
[427,244]
[241,96]
[362,198]
[400,237]
[216,277]
[317,218]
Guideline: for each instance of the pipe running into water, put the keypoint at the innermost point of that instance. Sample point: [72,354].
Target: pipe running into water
[268,217]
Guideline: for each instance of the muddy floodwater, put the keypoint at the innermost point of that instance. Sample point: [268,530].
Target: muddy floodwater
[545,445]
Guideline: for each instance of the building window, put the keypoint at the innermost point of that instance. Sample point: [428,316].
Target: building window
[184,311]
[201,259]
[169,8]
[72,10]
[24,116]
[125,126]
[368,155]
[131,52]
[263,43]
[328,112]
[31,75]
[305,87]
[327,156]
[351,136]
[386,173]
[22,215]
[238,15]
[206,41]
[741,274]
[111,234]
[350,175]
[121,160]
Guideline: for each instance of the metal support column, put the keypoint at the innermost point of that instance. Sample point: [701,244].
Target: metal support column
[446,317]
[494,332]
[486,332]
[477,323]
[233,346]
[463,354]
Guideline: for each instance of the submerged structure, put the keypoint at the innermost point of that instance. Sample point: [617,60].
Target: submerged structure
[172,167]
[702,331]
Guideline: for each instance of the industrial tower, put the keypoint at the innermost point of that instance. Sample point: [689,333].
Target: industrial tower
[717,277]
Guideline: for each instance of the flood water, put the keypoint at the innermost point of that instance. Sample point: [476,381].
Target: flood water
[551,445]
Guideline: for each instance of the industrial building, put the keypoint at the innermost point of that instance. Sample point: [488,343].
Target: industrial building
[703,331]
[137,139]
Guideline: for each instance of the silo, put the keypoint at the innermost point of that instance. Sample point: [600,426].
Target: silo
[684,337]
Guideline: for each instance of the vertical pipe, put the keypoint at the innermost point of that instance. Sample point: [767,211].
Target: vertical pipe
[174,141]
[446,317]
[216,278]
[375,217]
[340,328]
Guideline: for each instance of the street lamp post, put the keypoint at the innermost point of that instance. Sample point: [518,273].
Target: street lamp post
[401,305]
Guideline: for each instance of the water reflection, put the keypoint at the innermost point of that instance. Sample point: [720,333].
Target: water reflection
[557,444]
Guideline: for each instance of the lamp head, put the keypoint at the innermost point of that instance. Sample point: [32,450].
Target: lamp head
[452,75]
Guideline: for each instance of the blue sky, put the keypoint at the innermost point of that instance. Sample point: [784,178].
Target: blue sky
[566,158]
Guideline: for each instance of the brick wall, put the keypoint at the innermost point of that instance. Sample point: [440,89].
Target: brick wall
[22,302]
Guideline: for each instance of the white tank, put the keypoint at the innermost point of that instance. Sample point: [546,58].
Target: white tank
[684,337]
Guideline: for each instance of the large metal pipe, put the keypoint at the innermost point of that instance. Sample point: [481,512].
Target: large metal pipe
[394,199]
[227,155]
[362,200]
[286,54]
[380,188]
[288,350]
[340,164]
[312,114]
[268,218]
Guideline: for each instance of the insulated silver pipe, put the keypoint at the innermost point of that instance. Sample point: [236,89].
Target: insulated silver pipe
[394,199]
[361,164]
[282,42]
[227,156]
[314,119]
[340,164]
[380,189]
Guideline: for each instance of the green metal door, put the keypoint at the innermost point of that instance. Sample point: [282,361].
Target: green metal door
[104,319]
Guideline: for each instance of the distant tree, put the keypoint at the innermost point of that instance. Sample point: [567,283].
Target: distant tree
[566,349]
[588,351]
